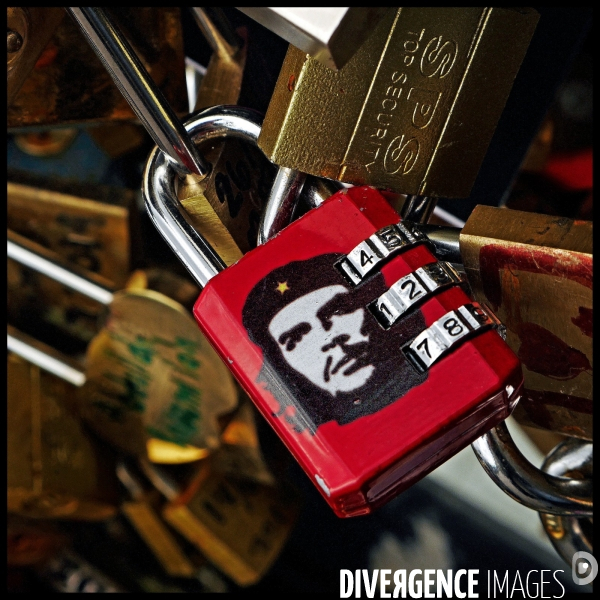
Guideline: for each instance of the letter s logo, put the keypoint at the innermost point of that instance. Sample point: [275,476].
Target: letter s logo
[438,57]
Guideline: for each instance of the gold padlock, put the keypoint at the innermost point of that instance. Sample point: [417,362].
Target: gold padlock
[55,468]
[226,207]
[31,542]
[238,524]
[91,233]
[535,272]
[141,513]
[413,110]
[240,454]
[69,85]
[153,386]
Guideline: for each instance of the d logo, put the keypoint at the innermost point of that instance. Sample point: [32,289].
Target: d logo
[585,568]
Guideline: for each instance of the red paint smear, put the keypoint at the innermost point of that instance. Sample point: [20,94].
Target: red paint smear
[543,352]
[572,171]
[585,320]
[494,257]
[47,56]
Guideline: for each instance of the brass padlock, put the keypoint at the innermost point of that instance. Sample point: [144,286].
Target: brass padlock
[141,513]
[226,207]
[29,30]
[240,455]
[55,468]
[69,85]
[238,524]
[413,110]
[93,234]
[153,386]
[535,271]
[222,82]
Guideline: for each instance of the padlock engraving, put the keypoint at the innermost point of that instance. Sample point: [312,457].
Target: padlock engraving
[395,115]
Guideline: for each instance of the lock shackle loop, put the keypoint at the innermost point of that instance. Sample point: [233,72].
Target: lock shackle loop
[160,195]
[569,534]
[164,208]
[525,483]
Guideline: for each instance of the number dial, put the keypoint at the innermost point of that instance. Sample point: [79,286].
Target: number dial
[412,289]
[446,333]
[381,246]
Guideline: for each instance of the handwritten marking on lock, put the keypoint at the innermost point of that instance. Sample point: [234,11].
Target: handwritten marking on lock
[152,375]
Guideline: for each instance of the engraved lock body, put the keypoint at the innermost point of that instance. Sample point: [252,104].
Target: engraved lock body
[413,110]
[535,271]
[67,70]
[366,408]
[140,511]
[98,236]
[239,524]
[226,206]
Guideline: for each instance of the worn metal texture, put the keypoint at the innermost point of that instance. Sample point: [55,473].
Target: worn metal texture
[535,272]
[69,85]
[414,109]
[240,525]
[226,207]
[55,470]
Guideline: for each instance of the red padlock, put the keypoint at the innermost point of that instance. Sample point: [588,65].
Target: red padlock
[360,349]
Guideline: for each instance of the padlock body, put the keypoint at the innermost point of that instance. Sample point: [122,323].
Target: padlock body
[536,272]
[336,386]
[413,110]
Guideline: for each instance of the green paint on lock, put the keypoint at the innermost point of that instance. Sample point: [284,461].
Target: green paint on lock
[188,361]
[135,391]
[182,417]
[142,349]
[190,345]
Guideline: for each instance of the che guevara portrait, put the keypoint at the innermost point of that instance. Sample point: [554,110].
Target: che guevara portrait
[324,353]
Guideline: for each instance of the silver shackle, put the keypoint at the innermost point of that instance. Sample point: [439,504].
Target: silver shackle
[192,249]
[160,193]
[569,535]
[525,483]
[138,88]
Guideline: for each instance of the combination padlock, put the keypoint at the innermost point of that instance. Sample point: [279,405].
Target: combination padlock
[358,347]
